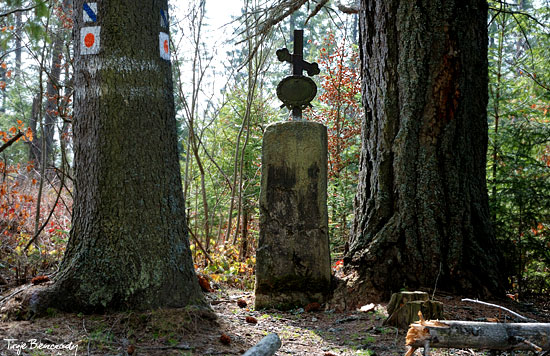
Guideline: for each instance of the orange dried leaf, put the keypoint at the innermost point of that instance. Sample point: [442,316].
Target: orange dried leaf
[40,279]
[224,339]
[205,285]
[312,307]
[242,303]
[28,134]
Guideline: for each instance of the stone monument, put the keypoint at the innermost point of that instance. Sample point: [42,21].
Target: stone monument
[293,257]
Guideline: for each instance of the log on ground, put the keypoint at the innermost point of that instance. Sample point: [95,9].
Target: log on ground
[479,335]
[266,347]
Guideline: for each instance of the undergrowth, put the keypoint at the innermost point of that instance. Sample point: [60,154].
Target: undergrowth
[21,259]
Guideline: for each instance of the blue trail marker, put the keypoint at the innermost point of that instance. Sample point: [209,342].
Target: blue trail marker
[163,19]
[90,11]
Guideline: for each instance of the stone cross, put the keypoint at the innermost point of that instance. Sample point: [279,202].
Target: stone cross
[298,64]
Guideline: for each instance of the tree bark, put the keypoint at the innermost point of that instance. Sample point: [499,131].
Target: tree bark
[35,144]
[421,209]
[128,246]
[478,335]
[52,100]
[18,44]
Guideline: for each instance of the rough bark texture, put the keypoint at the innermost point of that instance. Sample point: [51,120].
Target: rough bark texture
[422,207]
[293,259]
[399,299]
[128,245]
[478,335]
[403,308]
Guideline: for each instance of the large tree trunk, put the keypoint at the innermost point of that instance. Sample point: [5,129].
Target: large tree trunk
[421,210]
[128,245]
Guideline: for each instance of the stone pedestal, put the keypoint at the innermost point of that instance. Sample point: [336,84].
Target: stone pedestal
[293,258]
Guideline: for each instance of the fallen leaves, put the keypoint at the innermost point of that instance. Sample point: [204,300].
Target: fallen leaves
[40,279]
[242,303]
[312,307]
[251,320]
[225,339]
[205,284]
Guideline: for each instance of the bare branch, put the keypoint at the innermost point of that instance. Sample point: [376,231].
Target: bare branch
[273,16]
[316,10]
[512,12]
[19,10]
[49,215]
[497,306]
[348,9]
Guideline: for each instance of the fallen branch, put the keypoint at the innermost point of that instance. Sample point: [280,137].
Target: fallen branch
[266,347]
[14,293]
[478,335]
[499,307]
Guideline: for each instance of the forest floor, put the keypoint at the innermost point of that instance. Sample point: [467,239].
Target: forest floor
[189,332]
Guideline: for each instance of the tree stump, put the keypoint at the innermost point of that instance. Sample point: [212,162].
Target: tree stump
[404,307]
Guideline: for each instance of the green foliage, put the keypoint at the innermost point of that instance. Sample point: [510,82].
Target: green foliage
[338,108]
[231,263]
[229,140]
[36,31]
[519,147]
[41,9]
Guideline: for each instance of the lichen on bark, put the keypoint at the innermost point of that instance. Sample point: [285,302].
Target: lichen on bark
[128,247]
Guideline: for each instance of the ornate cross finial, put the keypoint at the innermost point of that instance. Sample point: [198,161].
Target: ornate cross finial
[297,91]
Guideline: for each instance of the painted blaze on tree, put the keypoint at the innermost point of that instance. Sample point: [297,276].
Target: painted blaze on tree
[128,245]
[421,207]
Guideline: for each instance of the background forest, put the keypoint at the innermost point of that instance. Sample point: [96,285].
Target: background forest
[225,98]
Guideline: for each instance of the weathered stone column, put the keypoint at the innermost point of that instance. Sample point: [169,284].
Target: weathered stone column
[293,258]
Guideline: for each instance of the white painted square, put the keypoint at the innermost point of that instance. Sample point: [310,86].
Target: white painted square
[164,46]
[86,15]
[90,40]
